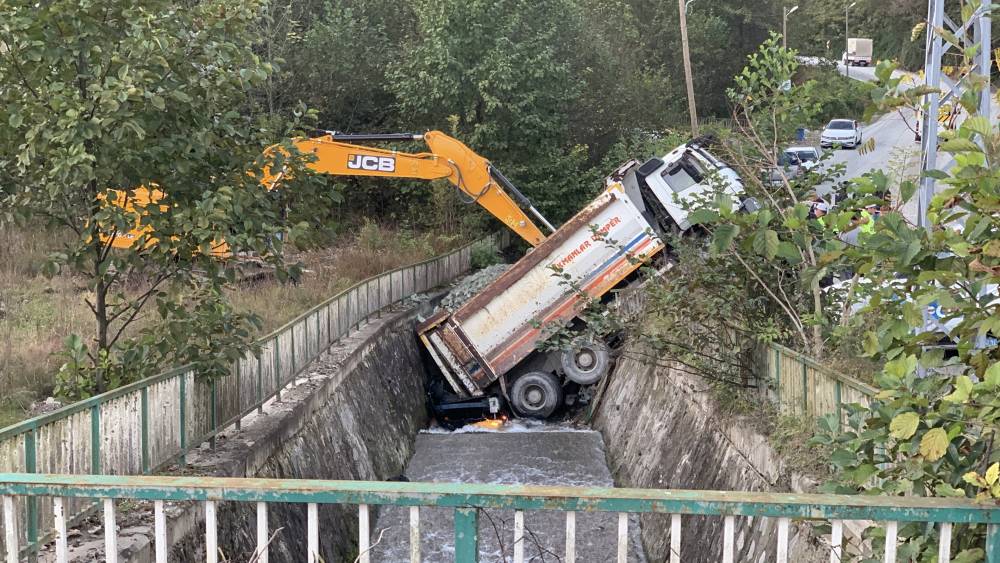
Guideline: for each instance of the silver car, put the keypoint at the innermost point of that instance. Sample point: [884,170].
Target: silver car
[793,162]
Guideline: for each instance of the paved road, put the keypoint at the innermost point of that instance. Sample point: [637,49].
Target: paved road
[543,455]
[896,150]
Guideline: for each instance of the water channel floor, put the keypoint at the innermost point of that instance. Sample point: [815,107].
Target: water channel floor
[518,454]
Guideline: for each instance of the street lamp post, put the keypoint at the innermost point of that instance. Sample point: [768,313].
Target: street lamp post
[686,54]
[847,41]
[784,25]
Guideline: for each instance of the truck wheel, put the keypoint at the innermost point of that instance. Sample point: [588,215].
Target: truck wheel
[586,363]
[536,394]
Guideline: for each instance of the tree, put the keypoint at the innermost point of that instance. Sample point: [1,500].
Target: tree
[110,94]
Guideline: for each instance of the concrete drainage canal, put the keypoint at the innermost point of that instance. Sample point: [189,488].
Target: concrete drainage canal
[521,453]
[361,412]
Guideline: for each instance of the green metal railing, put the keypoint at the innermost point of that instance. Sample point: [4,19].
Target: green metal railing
[148,425]
[467,500]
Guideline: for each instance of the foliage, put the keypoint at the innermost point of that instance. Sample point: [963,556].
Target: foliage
[782,249]
[484,254]
[818,28]
[115,95]
[833,95]
[932,430]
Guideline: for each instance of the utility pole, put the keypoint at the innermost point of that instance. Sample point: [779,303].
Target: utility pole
[784,24]
[687,67]
[847,40]
[935,49]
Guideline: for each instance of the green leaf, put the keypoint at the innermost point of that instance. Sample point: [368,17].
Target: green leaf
[978,124]
[963,386]
[934,444]
[863,474]
[158,102]
[959,144]
[946,490]
[765,243]
[974,555]
[904,425]
[992,376]
[723,237]
[789,252]
[703,216]
[843,458]
[16,119]
[992,474]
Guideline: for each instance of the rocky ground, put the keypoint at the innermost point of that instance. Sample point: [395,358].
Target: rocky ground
[466,288]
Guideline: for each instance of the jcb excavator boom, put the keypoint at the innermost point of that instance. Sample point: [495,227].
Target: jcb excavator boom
[448,159]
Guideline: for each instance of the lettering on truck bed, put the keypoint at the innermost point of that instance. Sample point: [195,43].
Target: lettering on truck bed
[598,235]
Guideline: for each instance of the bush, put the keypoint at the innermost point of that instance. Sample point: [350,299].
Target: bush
[834,96]
[485,254]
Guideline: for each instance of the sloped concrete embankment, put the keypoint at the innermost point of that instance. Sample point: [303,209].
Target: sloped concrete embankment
[663,431]
[356,419]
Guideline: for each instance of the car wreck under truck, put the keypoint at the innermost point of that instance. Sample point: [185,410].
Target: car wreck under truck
[487,348]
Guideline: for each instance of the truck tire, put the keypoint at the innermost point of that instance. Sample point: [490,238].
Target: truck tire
[536,394]
[586,363]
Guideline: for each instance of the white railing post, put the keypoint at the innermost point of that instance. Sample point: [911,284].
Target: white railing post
[622,537]
[782,555]
[891,531]
[10,528]
[571,537]
[160,531]
[414,534]
[59,514]
[836,541]
[262,533]
[675,538]
[728,539]
[110,532]
[364,534]
[313,532]
[944,543]
[211,533]
[518,536]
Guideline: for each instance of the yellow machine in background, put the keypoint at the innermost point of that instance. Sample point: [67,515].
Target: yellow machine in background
[448,159]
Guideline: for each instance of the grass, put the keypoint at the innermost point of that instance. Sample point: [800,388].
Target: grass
[790,437]
[372,250]
[38,313]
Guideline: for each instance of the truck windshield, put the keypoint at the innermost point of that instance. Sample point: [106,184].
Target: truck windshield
[684,174]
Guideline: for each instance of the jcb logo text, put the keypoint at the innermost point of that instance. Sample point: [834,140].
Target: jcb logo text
[368,162]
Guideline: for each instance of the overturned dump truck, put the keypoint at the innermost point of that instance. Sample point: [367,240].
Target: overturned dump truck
[486,349]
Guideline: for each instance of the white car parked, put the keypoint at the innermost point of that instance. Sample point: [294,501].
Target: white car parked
[841,132]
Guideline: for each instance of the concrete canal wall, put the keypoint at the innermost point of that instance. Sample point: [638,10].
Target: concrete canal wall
[356,419]
[663,430]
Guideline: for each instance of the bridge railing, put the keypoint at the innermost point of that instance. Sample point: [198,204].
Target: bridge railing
[467,500]
[143,427]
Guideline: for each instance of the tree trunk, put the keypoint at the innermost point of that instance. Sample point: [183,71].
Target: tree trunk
[103,325]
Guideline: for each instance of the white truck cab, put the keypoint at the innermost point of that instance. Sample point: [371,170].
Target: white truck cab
[670,184]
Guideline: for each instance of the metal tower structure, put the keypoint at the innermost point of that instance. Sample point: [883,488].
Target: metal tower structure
[946,90]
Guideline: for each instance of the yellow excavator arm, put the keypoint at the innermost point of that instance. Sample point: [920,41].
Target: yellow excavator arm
[448,159]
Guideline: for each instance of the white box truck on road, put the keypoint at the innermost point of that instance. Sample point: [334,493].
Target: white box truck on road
[859,52]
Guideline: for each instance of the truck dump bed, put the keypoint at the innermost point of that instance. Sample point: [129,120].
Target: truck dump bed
[493,332]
